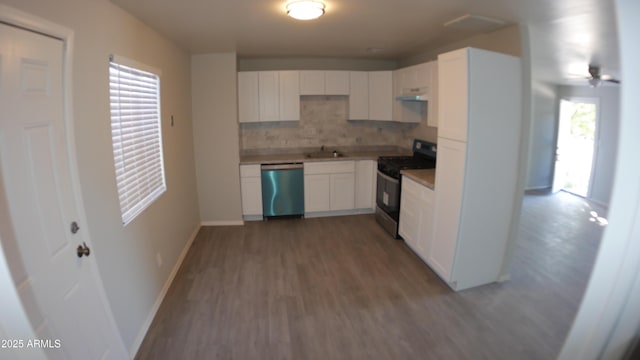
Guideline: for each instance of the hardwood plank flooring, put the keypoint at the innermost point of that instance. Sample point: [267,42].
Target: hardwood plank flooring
[341,288]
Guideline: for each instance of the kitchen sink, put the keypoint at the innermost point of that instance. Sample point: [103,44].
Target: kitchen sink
[324,155]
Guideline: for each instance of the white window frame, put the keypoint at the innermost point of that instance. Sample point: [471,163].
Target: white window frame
[136,135]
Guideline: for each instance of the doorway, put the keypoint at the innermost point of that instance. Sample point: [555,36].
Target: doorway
[576,145]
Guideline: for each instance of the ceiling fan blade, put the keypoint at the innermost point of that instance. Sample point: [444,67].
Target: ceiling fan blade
[615,81]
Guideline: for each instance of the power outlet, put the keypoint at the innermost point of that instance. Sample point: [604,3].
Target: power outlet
[159,259]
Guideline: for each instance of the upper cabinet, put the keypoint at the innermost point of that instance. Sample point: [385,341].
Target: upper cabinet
[248,98]
[453,95]
[268,96]
[381,95]
[411,83]
[358,95]
[317,82]
[289,95]
[275,95]
[371,95]
[415,79]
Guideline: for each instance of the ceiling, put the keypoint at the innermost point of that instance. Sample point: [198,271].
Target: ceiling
[566,35]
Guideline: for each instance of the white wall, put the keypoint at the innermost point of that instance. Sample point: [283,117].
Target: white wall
[126,257]
[608,126]
[216,137]
[542,142]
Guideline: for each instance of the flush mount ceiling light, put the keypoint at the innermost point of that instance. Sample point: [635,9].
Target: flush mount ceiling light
[305,9]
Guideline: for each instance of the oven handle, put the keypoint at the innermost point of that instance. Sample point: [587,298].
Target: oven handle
[388,178]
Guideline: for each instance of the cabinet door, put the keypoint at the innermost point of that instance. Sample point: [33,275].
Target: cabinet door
[317,189]
[343,191]
[289,95]
[337,82]
[453,95]
[358,95]
[269,94]
[312,82]
[248,100]
[410,212]
[251,195]
[450,170]
[426,223]
[432,105]
[381,95]
[365,184]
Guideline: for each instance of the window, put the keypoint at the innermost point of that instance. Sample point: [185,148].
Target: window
[136,135]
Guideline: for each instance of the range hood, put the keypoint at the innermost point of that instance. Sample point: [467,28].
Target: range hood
[414,94]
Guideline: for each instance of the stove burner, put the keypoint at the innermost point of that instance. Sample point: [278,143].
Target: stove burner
[392,165]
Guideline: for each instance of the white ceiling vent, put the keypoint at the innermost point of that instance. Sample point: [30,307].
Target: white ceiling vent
[475,23]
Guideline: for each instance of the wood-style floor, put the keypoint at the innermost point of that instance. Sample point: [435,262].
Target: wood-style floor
[341,288]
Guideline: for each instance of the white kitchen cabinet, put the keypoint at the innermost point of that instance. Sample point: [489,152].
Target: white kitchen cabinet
[358,95]
[248,98]
[289,100]
[416,217]
[381,95]
[449,178]
[432,105]
[371,95]
[366,184]
[312,82]
[479,122]
[317,82]
[317,188]
[414,80]
[268,96]
[453,91]
[414,77]
[343,191]
[251,190]
[336,82]
[329,186]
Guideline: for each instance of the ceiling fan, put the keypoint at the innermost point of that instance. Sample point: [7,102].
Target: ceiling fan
[595,77]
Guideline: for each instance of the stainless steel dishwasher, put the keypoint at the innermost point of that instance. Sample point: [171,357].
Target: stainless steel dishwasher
[282,190]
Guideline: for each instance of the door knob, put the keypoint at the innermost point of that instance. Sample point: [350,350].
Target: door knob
[83,250]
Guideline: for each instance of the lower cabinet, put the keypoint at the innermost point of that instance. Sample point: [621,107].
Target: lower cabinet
[416,217]
[329,186]
[366,184]
[251,190]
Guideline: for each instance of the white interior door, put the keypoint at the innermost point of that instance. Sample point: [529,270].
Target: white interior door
[59,290]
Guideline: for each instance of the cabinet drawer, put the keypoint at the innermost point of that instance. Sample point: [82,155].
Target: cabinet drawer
[249,171]
[329,167]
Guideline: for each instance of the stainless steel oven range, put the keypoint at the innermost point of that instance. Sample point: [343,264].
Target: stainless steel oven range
[389,181]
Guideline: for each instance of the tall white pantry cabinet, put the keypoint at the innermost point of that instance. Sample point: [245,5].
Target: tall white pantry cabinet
[480,115]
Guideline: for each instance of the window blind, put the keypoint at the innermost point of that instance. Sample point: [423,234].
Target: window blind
[137,138]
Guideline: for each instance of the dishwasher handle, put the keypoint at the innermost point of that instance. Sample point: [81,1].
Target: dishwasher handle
[286,166]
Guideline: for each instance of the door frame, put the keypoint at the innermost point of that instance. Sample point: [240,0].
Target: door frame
[26,21]
[596,137]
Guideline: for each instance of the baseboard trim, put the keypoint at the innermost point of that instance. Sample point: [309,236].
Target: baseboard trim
[222,223]
[318,214]
[533,188]
[154,309]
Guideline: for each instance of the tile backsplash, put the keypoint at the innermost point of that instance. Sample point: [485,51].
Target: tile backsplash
[323,121]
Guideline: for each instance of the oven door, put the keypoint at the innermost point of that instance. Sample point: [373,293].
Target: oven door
[388,194]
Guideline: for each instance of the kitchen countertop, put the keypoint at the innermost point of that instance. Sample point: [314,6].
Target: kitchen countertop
[275,156]
[426,177]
